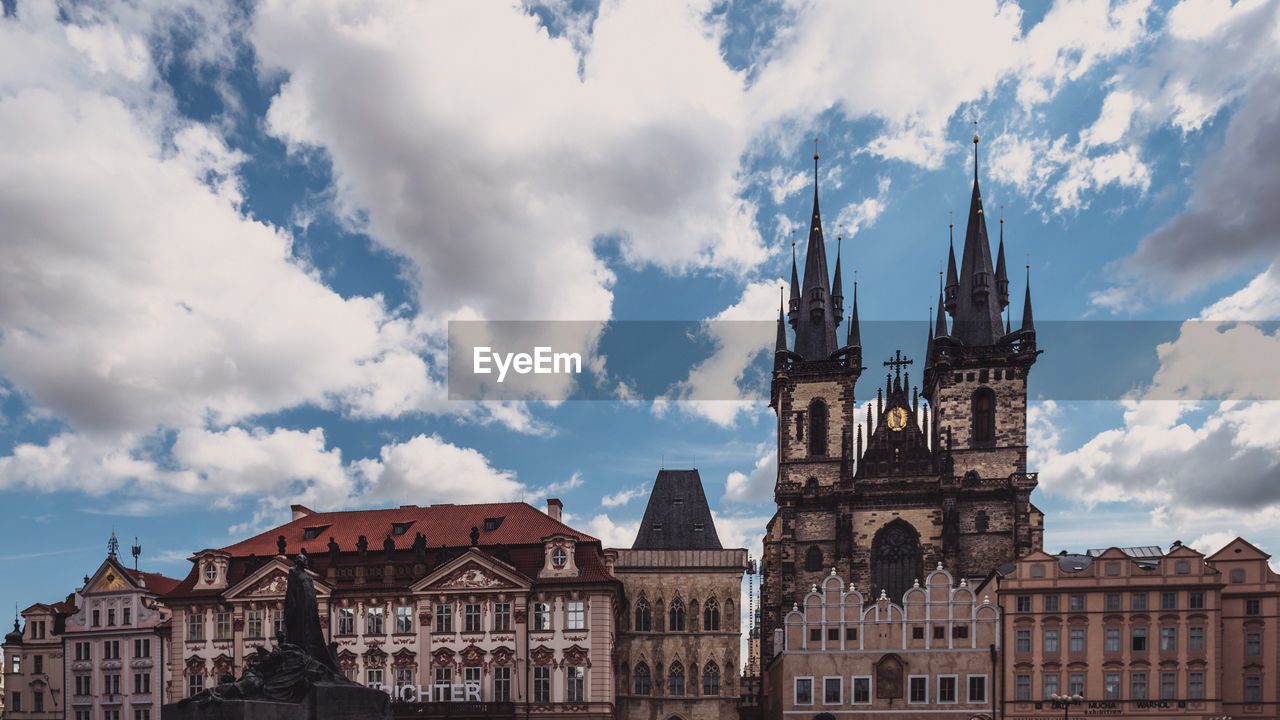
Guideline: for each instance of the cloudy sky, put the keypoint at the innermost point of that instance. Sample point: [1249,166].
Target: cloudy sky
[232,239]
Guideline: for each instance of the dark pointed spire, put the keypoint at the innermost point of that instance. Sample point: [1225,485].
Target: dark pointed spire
[816,322]
[953,282]
[1002,277]
[928,348]
[977,314]
[1028,323]
[780,345]
[854,339]
[837,287]
[940,328]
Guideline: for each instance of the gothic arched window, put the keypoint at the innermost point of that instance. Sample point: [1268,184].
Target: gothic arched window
[813,558]
[711,615]
[710,678]
[675,679]
[984,416]
[675,617]
[895,558]
[980,521]
[817,428]
[644,617]
[642,679]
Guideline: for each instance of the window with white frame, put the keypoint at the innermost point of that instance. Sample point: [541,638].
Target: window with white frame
[1050,685]
[1168,639]
[444,676]
[373,624]
[832,690]
[444,618]
[542,683]
[860,689]
[404,678]
[1051,640]
[575,615]
[346,621]
[253,624]
[574,681]
[373,677]
[541,616]
[502,617]
[471,618]
[222,626]
[1075,684]
[918,689]
[195,684]
[948,689]
[804,691]
[502,684]
[195,626]
[471,676]
[977,689]
[1168,686]
[404,619]
[1111,686]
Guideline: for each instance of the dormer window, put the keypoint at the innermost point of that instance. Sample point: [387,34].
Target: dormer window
[657,526]
[400,528]
[677,501]
[312,533]
[559,557]
[491,524]
[697,527]
[210,572]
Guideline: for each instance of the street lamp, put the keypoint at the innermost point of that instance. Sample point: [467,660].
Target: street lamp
[1066,701]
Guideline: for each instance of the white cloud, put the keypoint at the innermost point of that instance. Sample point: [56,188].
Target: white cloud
[624,496]
[427,469]
[575,481]
[613,534]
[757,485]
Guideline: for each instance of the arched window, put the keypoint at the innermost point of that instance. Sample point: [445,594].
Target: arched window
[642,679]
[813,558]
[711,615]
[675,617]
[984,416]
[895,558]
[644,617]
[675,679]
[817,428]
[980,521]
[710,678]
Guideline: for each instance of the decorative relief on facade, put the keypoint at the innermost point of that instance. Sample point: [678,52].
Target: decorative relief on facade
[222,665]
[471,576]
[442,657]
[404,658]
[272,585]
[375,657]
[472,656]
[347,660]
[542,655]
[577,655]
[502,655]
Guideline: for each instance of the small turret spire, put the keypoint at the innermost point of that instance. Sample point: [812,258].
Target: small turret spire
[953,281]
[780,345]
[837,287]
[855,331]
[975,151]
[928,348]
[1002,277]
[1028,323]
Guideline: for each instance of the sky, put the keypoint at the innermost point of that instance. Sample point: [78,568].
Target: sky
[232,239]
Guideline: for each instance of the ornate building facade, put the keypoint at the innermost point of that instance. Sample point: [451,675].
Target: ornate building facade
[33,676]
[679,632]
[485,610]
[929,475]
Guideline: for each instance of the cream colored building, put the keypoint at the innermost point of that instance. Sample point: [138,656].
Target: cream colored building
[33,677]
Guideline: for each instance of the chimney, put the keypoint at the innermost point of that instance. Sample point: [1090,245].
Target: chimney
[301,511]
[554,506]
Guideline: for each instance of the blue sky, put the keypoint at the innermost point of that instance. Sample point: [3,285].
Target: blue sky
[233,238]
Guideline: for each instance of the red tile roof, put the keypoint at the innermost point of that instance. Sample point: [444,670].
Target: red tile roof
[155,582]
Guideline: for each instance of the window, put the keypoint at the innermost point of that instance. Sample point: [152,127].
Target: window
[222,626]
[471,676]
[541,616]
[981,523]
[1111,686]
[1252,606]
[111,616]
[1195,686]
[977,688]
[1112,640]
[803,691]
[947,690]
[918,689]
[542,684]
[559,557]
[1076,640]
[1051,603]
[444,618]
[1195,637]
[1138,686]
[502,617]
[400,528]
[817,428]
[373,621]
[1075,684]
[37,703]
[111,684]
[84,651]
[1168,601]
[84,685]
[832,691]
[642,679]
[141,648]
[471,618]
[960,632]
[404,678]
[444,676]
[404,619]
[1022,603]
[644,616]
[17,663]
[253,624]
[675,681]
[373,677]
[1195,601]
[346,621]
[1252,644]
[861,688]
[1168,639]
[37,664]
[1237,575]
[813,558]
[502,684]
[1168,686]
[1050,685]
[1037,571]
[110,649]
[1113,601]
[675,616]
[851,634]
[1139,640]
[1138,601]
[126,616]
[1182,567]
[833,634]
[97,618]
[711,615]
[15,700]
[142,683]
[277,625]
[699,527]
[939,632]
[1022,641]
[1075,603]
[491,524]
[1051,641]
[815,635]
[1253,688]
[576,616]
[984,416]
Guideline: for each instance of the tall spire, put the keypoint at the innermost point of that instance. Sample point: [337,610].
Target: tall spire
[977,314]
[837,287]
[928,348]
[855,332]
[780,344]
[815,323]
[1002,277]
[1028,323]
[953,281]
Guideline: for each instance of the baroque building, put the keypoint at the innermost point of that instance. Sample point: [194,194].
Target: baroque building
[33,676]
[679,631]
[484,611]
[928,475]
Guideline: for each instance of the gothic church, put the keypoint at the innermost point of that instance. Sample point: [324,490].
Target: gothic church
[931,474]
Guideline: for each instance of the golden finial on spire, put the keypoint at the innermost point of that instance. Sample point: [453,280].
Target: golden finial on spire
[950,224]
[975,132]
[815,148]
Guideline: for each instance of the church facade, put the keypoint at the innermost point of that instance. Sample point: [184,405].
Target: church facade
[925,475]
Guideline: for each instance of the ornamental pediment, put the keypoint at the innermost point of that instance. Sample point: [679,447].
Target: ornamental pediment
[470,576]
[471,571]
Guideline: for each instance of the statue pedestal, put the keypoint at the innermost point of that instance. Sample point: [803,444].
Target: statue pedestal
[323,702]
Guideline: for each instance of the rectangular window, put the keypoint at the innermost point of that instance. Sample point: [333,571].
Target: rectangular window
[542,684]
[541,616]
[404,678]
[861,689]
[502,684]
[37,701]
[373,677]
[1022,687]
[1252,606]
[195,684]
[253,624]
[17,663]
[1168,601]
[575,615]
[960,632]
[373,621]
[948,691]
[1050,685]
[195,627]
[918,689]
[471,676]
[37,664]
[84,685]
[1113,601]
[1138,641]
[110,649]
[444,676]
[84,651]
[471,618]
[1168,639]
[1252,644]
[833,634]
[977,688]
[1075,684]
[815,635]
[1138,686]
[1253,688]
[111,616]
[111,684]
[444,618]
[1075,603]
[939,632]
[1111,686]
[1195,601]
[917,632]
[1076,640]
[1195,637]
[804,691]
[142,683]
[1138,601]
[346,621]
[502,617]
[1022,641]
[142,648]
[1195,686]
[277,625]
[15,701]
[1050,640]
[222,626]
[832,690]
[142,714]
[1051,603]
[126,616]
[404,619]
[1022,603]
[1168,686]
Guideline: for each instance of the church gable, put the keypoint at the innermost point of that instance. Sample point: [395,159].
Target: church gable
[110,577]
[897,447]
[471,571]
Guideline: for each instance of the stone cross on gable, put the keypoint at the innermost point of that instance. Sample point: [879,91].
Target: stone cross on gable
[897,362]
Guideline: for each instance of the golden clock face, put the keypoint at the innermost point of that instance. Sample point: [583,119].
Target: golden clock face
[897,418]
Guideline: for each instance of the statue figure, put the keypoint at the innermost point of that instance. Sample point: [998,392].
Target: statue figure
[388,546]
[333,552]
[281,545]
[420,548]
[475,536]
[362,545]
